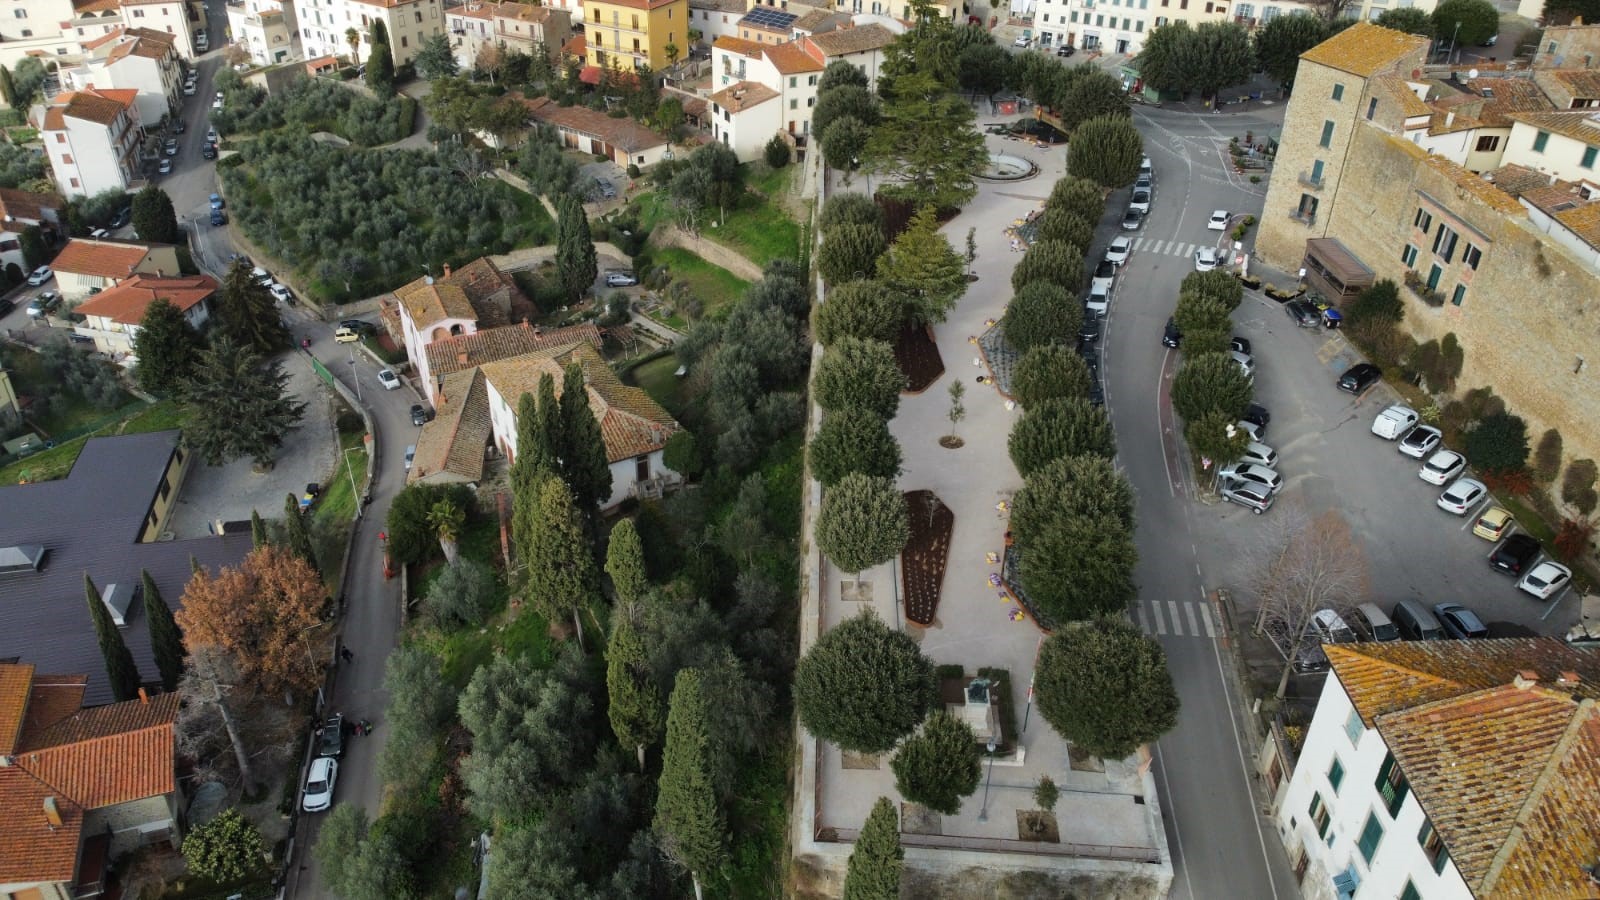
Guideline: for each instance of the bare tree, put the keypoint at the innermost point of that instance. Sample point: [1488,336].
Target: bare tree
[1303,565]
[208,683]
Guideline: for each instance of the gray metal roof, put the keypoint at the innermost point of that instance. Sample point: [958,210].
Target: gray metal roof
[90,522]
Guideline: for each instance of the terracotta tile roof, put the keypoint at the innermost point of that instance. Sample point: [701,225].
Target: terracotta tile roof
[112,35]
[33,850]
[1473,184]
[843,41]
[575,46]
[102,258]
[15,681]
[743,95]
[1580,125]
[481,279]
[111,720]
[126,301]
[789,59]
[739,45]
[429,303]
[1398,91]
[487,345]
[1581,83]
[82,7]
[101,106]
[1584,220]
[631,424]
[1385,678]
[1365,49]
[814,20]
[482,11]
[1504,96]
[53,699]
[1516,180]
[624,133]
[453,443]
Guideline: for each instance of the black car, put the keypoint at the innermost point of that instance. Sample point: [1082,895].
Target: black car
[123,217]
[209,151]
[178,127]
[1091,358]
[1171,337]
[1303,313]
[419,414]
[1068,50]
[218,217]
[1257,415]
[1515,553]
[1097,391]
[1359,377]
[360,326]
[1089,331]
[1239,345]
[7,305]
[1131,220]
[330,737]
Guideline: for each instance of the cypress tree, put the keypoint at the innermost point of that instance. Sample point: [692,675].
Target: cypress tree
[635,708]
[561,570]
[8,88]
[258,531]
[120,668]
[688,822]
[165,637]
[588,471]
[876,862]
[576,262]
[528,472]
[550,435]
[297,535]
[625,563]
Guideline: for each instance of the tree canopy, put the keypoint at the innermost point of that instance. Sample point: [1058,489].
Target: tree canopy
[238,405]
[1212,382]
[876,862]
[1106,150]
[863,685]
[1280,42]
[1104,686]
[851,441]
[922,267]
[939,765]
[926,143]
[153,218]
[166,346]
[1053,429]
[1466,22]
[859,374]
[862,523]
[1041,314]
[258,613]
[1049,372]
[1079,568]
[859,309]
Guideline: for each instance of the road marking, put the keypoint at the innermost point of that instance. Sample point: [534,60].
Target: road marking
[1144,620]
[1177,623]
[1556,602]
[1178,838]
[1205,616]
[1472,517]
[1155,611]
[1194,627]
[1138,243]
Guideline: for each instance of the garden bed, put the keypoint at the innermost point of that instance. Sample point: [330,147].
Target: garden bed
[918,357]
[926,556]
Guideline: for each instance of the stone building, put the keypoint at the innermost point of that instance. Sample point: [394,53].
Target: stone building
[1508,261]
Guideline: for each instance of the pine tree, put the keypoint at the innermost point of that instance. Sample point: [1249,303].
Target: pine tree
[249,313]
[560,569]
[120,668]
[238,405]
[165,637]
[153,216]
[258,531]
[688,824]
[876,862]
[625,563]
[297,535]
[575,257]
[166,346]
[583,461]
[635,707]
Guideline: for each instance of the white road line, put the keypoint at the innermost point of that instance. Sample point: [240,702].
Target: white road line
[1205,616]
[1155,612]
[1188,250]
[1555,603]
[1138,243]
[1144,621]
[1194,627]
[1177,623]
[1472,517]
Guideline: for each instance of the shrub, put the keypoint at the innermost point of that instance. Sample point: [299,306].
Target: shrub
[1577,486]
[776,152]
[462,594]
[1380,302]
[1499,443]
[849,209]
[1057,428]
[411,538]
[1574,538]
[1051,261]
[1547,456]
[1041,313]
[682,454]
[225,849]
[1048,372]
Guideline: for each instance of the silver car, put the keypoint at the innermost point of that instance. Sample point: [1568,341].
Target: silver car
[1253,474]
[1259,454]
[1247,494]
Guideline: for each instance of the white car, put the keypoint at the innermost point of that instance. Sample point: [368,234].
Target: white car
[1331,629]
[411,455]
[1251,429]
[1462,495]
[165,168]
[1206,259]
[1250,473]
[1099,301]
[40,276]
[1140,202]
[1118,252]
[1247,363]
[1422,440]
[1545,579]
[1394,422]
[262,276]
[279,292]
[1022,42]
[320,780]
[1259,454]
[217,103]
[1218,220]
[388,379]
[188,89]
[1442,466]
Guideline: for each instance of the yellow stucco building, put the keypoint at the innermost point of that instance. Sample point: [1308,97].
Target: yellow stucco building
[633,33]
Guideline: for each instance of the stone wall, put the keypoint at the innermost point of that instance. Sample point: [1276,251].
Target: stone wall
[1529,324]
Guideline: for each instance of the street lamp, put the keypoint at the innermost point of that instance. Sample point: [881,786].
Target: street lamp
[983,814]
[353,377]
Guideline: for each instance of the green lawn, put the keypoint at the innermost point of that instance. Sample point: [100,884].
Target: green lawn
[716,287]
[56,462]
[659,381]
[760,228]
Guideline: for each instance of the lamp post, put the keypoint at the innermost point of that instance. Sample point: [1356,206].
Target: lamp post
[354,378]
[983,814]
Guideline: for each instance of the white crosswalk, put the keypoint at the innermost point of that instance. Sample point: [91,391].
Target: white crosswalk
[1180,618]
[1165,248]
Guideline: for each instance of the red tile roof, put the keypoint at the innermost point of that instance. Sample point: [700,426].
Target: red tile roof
[487,345]
[789,59]
[15,680]
[93,105]
[33,850]
[106,259]
[631,424]
[127,301]
[624,133]
[54,699]
[739,45]
[743,95]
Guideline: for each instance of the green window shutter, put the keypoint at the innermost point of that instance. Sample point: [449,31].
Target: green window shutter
[1371,835]
[1336,774]
[1327,134]
[1588,157]
[1411,892]
[1540,140]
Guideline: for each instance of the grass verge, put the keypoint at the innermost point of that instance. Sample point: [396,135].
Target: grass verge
[48,465]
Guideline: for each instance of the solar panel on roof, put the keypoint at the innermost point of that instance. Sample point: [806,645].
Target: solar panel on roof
[768,17]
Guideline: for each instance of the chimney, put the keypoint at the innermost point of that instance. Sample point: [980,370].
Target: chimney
[1568,679]
[462,357]
[51,813]
[524,321]
[447,270]
[144,698]
[1525,679]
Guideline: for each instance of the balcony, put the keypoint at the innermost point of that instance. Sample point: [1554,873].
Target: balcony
[1311,180]
[1304,217]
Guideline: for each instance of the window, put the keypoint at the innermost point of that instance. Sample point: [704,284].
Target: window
[1319,816]
[1336,774]
[812,81]
[1458,295]
[1433,847]
[1410,892]
[1422,220]
[1471,256]
[1409,255]
[1371,835]
[1353,727]
[404,41]
[1588,157]
[1539,140]
[1338,93]
[74,182]
[1444,242]
[792,81]
[61,137]
[418,14]
[1327,135]
[1372,108]
[794,104]
[1433,285]
[1488,143]
[66,158]
[1316,172]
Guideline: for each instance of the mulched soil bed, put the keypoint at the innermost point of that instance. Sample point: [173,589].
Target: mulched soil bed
[1037,825]
[926,555]
[918,357]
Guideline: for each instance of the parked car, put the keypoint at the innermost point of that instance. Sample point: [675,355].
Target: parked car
[1415,622]
[1545,579]
[419,415]
[1099,301]
[320,780]
[1259,454]
[1459,622]
[330,737]
[1140,202]
[165,168]
[1247,363]
[1239,344]
[388,379]
[1373,624]
[1257,415]
[1494,522]
[1144,165]
[1120,247]
[209,151]
[1253,474]
[1023,41]
[1303,313]
[1171,336]
[1089,331]
[621,279]
[1256,432]
[262,276]
[1251,496]
[218,217]
[211,134]
[1066,50]
[1462,495]
[1394,422]
[359,326]
[171,147]
[1420,441]
[40,276]
[411,455]
[43,304]
[1206,259]
[1442,466]
[1105,272]
[179,126]
[1359,377]
[217,202]
[1218,221]
[607,189]
[1144,182]
[280,292]
[1330,628]
[1131,220]
[1515,553]
[188,89]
